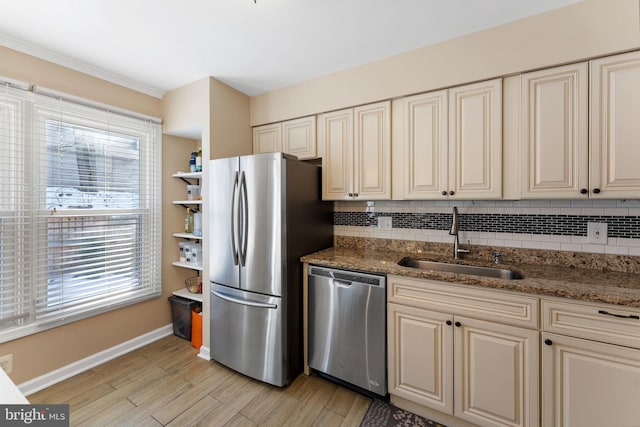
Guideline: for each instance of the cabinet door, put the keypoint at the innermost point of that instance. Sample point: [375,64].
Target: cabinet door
[587,383]
[496,373]
[475,141]
[555,132]
[420,346]
[615,128]
[267,138]
[424,166]
[299,137]
[372,151]
[335,134]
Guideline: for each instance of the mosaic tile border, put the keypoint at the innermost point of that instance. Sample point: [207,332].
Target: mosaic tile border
[558,225]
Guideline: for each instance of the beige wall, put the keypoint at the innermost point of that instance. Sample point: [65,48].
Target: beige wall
[46,351]
[36,71]
[185,109]
[219,116]
[230,132]
[580,31]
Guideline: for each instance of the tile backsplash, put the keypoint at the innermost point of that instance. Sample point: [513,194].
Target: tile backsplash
[534,224]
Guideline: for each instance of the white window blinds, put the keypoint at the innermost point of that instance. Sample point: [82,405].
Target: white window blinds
[85,198]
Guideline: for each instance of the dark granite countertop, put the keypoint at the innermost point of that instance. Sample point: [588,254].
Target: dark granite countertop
[575,282]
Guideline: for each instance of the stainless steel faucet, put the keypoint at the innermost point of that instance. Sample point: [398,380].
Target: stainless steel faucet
[456,241]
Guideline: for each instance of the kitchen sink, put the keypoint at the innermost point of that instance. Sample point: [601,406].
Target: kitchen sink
[499,273]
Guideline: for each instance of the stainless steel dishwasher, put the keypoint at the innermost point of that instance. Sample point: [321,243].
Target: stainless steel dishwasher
[347,327]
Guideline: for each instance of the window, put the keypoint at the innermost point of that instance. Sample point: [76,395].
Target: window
[80,222]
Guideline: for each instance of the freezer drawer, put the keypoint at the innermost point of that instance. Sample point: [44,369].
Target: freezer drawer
[247,334]
[347,327]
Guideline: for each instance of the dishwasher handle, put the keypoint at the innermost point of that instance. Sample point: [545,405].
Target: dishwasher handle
[342,284]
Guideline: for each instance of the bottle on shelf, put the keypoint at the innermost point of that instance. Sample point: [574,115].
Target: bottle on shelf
[192,162]
[188,222]
[197,224]
[199,160]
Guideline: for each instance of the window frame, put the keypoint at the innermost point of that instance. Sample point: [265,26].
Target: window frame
[36,109]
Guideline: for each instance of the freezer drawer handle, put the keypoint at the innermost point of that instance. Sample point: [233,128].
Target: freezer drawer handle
[244,302]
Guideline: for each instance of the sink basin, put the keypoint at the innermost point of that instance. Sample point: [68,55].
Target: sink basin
[498,273]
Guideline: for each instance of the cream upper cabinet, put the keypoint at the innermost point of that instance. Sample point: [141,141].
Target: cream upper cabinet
[572,132]
[475,141]
[555,141]
[356,163]
[448,144]
[447,354]
[420,146]
[296,137]
[267,138]
[615,128]
[299,137]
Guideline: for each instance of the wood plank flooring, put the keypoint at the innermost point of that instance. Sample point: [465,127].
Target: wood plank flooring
[166,384]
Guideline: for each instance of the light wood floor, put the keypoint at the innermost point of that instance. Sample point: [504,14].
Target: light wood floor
[165,383]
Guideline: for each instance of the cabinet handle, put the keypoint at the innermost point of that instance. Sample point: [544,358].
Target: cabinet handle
[458,324]
[596,190]
[548,341]
[583,191]
[621,316]
[451,193]
[444,193]
[449,323]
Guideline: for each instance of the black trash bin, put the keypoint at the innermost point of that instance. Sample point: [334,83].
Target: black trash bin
[181,309]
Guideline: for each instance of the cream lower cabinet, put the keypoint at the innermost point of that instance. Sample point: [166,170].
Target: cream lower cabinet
[589,384]
[590,364]
[356,158]
[446,355]
[421,356]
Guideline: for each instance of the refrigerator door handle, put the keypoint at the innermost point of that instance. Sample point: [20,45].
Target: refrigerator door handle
[244,222]
[244,302]
[234,247]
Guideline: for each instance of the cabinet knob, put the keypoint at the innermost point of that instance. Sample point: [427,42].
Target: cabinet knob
[444,193]
[451,193]
[548,341]
[596,190]
[355,194]
[458,324]
[583,191]
[350,194]
[449,323]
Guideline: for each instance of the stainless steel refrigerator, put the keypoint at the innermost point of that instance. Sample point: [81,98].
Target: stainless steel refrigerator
[266,212]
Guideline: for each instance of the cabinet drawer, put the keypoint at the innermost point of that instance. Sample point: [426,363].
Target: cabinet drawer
[592,322]
[495,306]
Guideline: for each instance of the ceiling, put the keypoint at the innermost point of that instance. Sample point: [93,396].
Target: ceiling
[157,45]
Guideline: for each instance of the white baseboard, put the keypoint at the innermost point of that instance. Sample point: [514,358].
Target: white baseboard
[53,377]
[205,353]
